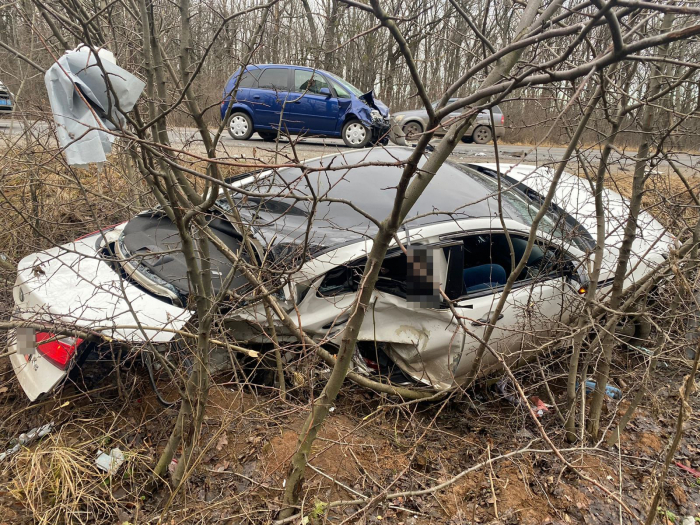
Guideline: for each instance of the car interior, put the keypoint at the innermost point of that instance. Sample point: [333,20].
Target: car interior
[488,262]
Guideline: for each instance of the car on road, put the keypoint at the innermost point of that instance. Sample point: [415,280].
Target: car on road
[6,105]
[415,122]
[274,98]
[129,282]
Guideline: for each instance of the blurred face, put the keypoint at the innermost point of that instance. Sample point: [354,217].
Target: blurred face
[421,290]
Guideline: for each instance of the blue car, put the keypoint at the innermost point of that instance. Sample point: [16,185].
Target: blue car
[272,98]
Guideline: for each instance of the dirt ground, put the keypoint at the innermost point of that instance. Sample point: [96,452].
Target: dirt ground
[368,449]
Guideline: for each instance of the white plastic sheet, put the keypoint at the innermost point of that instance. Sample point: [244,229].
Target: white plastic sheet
[77,78]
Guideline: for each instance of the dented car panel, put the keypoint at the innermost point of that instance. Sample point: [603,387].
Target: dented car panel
[427,343]
[373,113]
[73,285]
[455,222]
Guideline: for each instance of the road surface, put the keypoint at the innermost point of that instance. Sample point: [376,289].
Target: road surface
[307,148]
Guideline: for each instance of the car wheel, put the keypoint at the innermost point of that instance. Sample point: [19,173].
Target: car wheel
[482,135]
[240,126]
[412,130]
[268,136]
[356,134]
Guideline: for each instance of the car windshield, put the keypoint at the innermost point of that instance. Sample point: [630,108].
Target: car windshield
[525,208]
[347,85]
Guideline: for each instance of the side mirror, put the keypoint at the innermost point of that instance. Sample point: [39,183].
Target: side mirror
[576,275]
[325,91]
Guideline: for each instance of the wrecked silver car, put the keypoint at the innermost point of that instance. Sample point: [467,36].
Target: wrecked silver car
[130,283]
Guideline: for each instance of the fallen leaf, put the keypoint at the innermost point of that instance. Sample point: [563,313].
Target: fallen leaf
[222,442]
[221,467]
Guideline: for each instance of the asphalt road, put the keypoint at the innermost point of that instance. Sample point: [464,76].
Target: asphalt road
[508,153]
[307,148]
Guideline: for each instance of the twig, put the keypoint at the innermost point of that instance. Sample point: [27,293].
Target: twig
[319,471]
[493,491]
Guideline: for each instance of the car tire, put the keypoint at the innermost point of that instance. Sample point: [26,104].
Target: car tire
[240,126]
[268,136]
[356,134]
[412,129]
[482,135]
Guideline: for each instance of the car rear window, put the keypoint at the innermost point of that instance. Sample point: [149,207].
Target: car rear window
[273,78]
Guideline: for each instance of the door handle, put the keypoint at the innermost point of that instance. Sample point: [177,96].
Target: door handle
[484,320]
[256,96]
[297,101]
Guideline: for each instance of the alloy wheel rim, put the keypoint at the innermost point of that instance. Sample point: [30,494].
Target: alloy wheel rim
[411,130]
[482,134]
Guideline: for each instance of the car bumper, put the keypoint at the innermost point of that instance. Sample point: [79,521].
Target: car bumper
[380,129]
[36,375]
[396,134]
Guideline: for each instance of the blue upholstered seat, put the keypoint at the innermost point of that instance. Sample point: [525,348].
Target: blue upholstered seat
[483,277]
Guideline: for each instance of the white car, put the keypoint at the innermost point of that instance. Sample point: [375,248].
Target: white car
[129,281]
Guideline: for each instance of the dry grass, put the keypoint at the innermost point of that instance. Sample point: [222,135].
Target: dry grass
[665,196]
[60,483]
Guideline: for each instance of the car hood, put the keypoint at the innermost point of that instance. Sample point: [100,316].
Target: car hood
[375,103]
[575,196]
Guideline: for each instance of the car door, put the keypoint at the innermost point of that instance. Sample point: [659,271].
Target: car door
[314,105]
[533,311]
[269,98]
[450,118]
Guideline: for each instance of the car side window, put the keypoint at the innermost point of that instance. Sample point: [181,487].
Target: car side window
[346,278]
[340,90]
[274,78]
[247,81]
[487,261]
[309,81]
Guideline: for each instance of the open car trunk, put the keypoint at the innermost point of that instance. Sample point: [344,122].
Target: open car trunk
[151,245]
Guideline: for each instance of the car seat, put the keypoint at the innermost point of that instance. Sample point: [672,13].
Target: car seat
[483,277]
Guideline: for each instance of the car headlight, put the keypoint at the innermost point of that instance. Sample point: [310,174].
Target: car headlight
[375,115]
[398,118]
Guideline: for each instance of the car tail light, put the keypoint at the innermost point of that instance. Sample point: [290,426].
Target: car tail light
[503,119]
[58,352]
[372,364]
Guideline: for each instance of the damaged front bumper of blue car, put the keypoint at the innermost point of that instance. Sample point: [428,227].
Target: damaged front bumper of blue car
[375,115]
